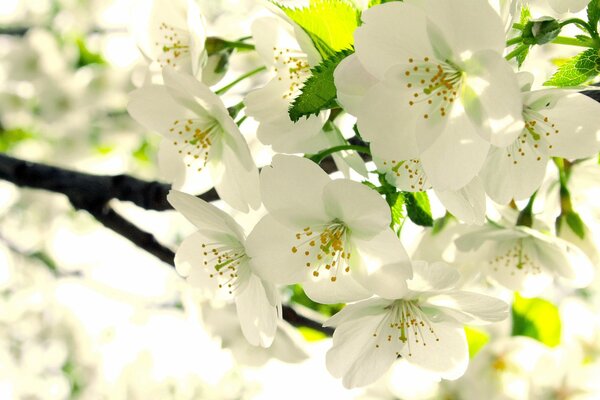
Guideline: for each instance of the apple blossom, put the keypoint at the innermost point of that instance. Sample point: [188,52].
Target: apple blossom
[526,260]
[558,123]
[195,121]
[424,326]
[429,91]
[332,236]
[215,259]
[289,56]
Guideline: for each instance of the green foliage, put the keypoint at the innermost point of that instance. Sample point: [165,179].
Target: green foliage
[311,335]
[540,31]
[476,338]
[523,20]
[330,24]
[298,296]
[577,70]
[418,208]
[593,13]
[319,92]
[11,137]
[377,2]
[86,56]
[536,318]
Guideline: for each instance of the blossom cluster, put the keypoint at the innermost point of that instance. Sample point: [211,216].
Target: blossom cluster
[413,100]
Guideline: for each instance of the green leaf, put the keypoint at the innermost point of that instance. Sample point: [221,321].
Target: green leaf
[86,56]
[330,24]
[536,318]
[522,56]
[418,208]
[593,13]
[298,296]
[311,335]
[377,2]
[318,92]
[11,137]
[525,15]
[396,202]
[476,338]
[577,70]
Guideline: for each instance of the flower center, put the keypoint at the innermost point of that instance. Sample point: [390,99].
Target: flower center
[325,249]
[173,44]
[516,259]
[409,174]
[537,129]
[224,263]
[194,139]
[405,324]
[291,65]
[435,85]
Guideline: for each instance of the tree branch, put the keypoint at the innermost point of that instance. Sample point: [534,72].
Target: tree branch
[92,193]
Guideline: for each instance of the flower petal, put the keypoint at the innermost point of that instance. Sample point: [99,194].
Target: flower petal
[455,156]
[433,277]
[269,246]
[292,190]
[373,306]
[391,33]
[354,355]
[352,82]
[345,289]
[258,317]
[467,204]
[206,217]
[381,264]
[492,98]
[469,307]
[445,351]
[360,208]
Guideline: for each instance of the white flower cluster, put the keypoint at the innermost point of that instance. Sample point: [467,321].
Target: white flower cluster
[432,93]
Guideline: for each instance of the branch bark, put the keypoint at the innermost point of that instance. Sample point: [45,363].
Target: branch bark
[92,193]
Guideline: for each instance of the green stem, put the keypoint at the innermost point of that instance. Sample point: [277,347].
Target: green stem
[239,45]
[571,42]
[518,26]
[525,217]
[322,154]
[241,120]
[514,40]
[581,24]
[238,80]
[516,52]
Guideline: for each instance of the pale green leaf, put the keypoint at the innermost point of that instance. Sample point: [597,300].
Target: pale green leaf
[536,318]
[577,70]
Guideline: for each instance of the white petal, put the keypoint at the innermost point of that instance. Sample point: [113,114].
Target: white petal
[269,246]
[448,357]
[513,172]
[352,82]
[154,108]
[473,240]
[258,317]
[467,204]
[385,120]
[577,117]
[381,265]
[285,136]
[173,168]
[360,208]
[456,156]
[492,98]
[391,33]
[207,218]
[354,355]
[469,307]
[480,26]
[344,290]
[563,6]
[373,306]
[288,345]
[436,276]
[197,28]
[292,190]
[235,179]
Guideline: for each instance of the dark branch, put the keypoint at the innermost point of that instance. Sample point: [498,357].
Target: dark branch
[93,192]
